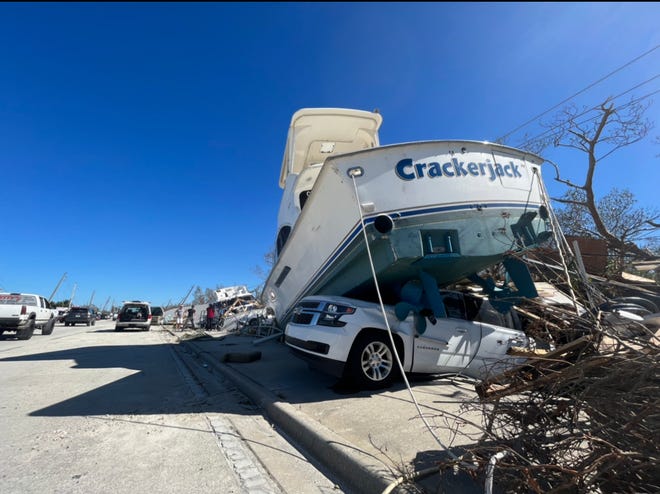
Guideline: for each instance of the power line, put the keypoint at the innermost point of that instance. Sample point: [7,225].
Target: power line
[586,120]
[576,94]
[621,107]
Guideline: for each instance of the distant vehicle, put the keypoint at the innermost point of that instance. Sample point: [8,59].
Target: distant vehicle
[80,315]
[23,312]
[61,314]
[134,314]
[157,315]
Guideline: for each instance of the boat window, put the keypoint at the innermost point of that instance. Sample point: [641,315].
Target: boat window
[282,237]
[282,275]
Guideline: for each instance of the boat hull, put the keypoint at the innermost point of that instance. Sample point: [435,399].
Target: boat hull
[448,208]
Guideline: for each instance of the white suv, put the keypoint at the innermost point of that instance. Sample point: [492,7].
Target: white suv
[134,314]
[348,338]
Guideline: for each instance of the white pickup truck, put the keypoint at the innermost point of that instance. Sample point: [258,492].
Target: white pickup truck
[23,312]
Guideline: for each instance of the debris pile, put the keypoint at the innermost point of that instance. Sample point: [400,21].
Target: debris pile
[583,418]
[581,415]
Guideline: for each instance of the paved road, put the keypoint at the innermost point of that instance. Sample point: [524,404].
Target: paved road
[367,439]
[89,410]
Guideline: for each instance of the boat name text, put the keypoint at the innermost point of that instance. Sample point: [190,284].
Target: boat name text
[407,170]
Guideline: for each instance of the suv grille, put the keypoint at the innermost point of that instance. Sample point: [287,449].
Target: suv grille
[302,318]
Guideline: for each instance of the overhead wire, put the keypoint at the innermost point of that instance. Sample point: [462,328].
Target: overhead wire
[529,140]
[502,138]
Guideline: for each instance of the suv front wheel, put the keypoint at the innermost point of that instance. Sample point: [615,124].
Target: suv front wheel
[371,363]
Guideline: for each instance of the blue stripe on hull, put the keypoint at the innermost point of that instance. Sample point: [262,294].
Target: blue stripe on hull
[410,214]
[357,230]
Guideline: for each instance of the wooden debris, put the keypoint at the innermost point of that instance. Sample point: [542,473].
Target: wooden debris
[538,369]
[582,418]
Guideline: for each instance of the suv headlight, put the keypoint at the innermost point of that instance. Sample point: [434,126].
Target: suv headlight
[331,314]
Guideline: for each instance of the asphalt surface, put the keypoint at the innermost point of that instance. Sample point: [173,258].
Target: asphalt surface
[367,439]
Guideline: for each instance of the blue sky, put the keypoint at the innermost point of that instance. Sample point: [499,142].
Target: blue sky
[141,143]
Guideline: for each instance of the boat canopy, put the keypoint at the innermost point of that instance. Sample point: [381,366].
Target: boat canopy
[315,134]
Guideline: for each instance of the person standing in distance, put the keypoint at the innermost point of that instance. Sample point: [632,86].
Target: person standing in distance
[191,317]
[178,313]
[210,315]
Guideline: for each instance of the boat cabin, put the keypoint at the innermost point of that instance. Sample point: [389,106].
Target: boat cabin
[314,135]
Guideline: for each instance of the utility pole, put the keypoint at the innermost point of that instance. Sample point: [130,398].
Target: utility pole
[105,305]
[72,294]
[183,300]
[91,298]
[50,299]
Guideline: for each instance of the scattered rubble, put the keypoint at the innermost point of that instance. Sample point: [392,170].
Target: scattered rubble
[582,414]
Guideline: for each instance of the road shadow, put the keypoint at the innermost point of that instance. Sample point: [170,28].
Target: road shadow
[156,387]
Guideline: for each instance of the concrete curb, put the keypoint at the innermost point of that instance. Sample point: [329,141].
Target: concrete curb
[358,470]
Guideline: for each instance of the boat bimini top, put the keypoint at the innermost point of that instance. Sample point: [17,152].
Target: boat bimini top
[315,134]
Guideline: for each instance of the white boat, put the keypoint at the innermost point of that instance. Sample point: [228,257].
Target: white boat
[445,208]
[230,294]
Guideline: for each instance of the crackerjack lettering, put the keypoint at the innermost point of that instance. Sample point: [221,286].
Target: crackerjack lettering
[407,170]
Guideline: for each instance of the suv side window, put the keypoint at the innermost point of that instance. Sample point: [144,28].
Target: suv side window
[481,310]
[454,306]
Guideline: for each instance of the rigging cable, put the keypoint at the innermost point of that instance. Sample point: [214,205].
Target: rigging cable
[387,325]
[565,251]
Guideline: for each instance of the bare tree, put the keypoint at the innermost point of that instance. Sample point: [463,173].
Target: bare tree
[198,296]
[598,132]
[269,260]
[209,295]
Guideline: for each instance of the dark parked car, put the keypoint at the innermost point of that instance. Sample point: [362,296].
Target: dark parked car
[157,315]
[80,315]
[61,314]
